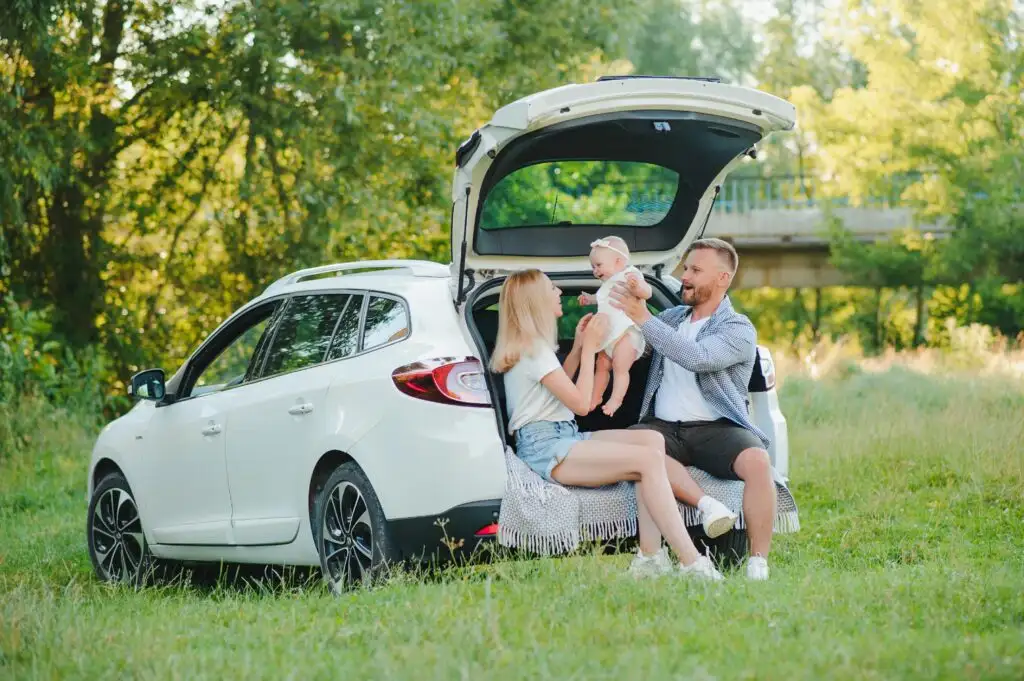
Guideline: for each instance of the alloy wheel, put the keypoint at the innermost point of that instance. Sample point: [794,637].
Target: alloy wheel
[347,536]
[117,537]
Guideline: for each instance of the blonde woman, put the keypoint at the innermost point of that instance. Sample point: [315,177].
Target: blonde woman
[542,400]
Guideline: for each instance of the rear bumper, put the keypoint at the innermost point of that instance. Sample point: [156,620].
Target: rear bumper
[445,536]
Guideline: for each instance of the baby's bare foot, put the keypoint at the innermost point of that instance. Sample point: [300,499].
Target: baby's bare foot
[595,402]
[611,406]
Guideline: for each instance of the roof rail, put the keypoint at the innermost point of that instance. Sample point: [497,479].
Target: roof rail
[418,268]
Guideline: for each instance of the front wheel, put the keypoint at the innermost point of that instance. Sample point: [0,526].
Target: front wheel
[117,545]
[351,532]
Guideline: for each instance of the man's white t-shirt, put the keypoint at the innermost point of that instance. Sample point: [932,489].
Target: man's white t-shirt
[527,399]
[679,397]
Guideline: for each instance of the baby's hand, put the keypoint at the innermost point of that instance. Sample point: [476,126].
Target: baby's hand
[637,286]
[585,299]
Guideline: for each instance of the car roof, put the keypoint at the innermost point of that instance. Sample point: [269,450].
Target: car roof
[388,276]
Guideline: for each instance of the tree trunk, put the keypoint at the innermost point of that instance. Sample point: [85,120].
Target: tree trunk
[74,280]
[76,241]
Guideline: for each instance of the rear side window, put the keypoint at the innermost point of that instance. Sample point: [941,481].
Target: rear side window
[346,334]
[304,332]
[387,320]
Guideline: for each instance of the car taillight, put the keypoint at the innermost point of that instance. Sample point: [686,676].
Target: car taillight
[488,530]
[446,380]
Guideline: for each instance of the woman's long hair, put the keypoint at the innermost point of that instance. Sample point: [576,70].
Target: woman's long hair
[525,318]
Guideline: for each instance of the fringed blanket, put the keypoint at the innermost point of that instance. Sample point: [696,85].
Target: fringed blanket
[548,518]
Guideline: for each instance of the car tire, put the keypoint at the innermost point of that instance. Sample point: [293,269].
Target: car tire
[727,550]
[117,544]
[350,530]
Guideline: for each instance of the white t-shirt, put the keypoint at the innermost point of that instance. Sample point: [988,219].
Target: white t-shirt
[679,398]
[526,398]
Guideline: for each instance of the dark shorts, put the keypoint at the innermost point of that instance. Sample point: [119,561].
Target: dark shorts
[711,446]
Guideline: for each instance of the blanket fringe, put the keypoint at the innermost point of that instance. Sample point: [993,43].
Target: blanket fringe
[546,545]
[618,528]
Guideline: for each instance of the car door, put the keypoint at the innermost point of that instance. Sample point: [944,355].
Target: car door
[276,427]
[185,479]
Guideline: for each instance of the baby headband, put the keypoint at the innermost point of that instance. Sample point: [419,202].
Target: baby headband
[604,243]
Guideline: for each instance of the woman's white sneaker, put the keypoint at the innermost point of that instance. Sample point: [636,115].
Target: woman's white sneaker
[702,568]
[646,567]
[757,569]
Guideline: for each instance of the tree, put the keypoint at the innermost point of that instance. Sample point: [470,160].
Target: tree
[161,162]
[694,38]
[943,105]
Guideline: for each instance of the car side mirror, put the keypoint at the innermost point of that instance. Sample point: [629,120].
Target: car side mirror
[148,385]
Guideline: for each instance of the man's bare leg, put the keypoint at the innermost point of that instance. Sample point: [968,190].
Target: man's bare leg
[753,467]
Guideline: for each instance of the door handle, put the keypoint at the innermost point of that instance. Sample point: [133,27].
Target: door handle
[212,429]
[300,409]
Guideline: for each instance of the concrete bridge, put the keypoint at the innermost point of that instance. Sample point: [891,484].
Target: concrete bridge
[777,225]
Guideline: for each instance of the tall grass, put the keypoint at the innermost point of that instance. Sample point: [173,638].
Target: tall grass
[910,564]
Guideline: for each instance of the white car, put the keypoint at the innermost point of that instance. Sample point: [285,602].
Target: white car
[344,418]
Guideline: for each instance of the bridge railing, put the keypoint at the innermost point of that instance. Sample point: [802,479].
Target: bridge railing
[747,194]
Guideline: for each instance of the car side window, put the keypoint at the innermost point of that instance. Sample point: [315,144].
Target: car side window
[304,333]
[387,320]
[346,334]
[232,364]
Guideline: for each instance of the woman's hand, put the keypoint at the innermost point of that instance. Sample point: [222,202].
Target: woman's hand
[594,332]
[581,326]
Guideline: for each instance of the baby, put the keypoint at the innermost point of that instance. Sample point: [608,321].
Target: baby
[609,258]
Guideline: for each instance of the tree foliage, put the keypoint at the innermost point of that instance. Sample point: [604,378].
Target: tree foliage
[161,161]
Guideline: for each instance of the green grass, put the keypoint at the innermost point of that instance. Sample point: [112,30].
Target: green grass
[910,564]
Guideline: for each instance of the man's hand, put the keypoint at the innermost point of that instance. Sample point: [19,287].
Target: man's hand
[634,306]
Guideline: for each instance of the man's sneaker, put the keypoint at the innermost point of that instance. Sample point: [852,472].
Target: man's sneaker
[702,569]
[644,567]
[757,568]
[717,518]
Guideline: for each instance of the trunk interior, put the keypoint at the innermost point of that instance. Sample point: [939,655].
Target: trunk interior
[483,320]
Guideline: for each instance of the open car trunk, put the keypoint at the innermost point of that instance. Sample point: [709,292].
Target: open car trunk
[642,159]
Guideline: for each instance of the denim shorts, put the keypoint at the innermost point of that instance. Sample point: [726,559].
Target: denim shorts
[542,445]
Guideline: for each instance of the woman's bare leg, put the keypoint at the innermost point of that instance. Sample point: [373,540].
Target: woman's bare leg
[684,487]
[647,529]
[592,463]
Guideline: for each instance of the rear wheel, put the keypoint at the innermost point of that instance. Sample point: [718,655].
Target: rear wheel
[351,532]
[117,544]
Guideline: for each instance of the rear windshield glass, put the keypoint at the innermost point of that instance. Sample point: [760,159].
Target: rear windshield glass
[621,193]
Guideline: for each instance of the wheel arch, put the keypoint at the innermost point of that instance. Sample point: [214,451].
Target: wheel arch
[104,467]
[325,465]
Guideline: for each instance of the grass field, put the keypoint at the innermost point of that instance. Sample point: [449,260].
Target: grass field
[910,564]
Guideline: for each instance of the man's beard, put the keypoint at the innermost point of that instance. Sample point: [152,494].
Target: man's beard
[695,296]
